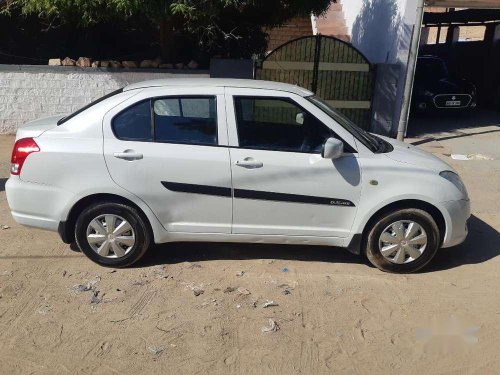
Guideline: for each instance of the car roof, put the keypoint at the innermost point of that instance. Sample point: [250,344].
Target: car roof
[220,82]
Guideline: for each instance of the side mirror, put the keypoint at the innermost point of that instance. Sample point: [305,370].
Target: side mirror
[299,118]
[332,149]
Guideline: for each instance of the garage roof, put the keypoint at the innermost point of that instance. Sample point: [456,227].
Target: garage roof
[464,3]
[462,16]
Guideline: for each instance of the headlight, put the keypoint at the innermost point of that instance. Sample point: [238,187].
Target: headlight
[455,180]
[473,90]
[428,93]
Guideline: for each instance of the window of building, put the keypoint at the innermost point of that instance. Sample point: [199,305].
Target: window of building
[436,35]
[471,33]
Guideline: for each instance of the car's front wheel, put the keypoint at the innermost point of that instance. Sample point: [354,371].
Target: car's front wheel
[402,241]
[112,234]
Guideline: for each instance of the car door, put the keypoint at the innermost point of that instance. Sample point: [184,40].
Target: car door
[281,184]
[168,146]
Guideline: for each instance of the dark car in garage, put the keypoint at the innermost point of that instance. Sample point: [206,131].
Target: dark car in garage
[435,89]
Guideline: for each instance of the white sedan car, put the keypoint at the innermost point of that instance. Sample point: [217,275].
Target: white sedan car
[235,161]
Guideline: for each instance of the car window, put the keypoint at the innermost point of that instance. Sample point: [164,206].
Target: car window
[134,123]
[186,120]
[278,124]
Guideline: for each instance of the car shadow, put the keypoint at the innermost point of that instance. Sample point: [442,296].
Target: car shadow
[3,181]
[174,253]
[480,246]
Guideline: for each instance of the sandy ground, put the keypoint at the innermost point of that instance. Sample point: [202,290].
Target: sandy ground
[335,313]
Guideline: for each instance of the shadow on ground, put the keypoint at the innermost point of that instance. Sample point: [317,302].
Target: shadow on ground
[481,245]
[453,123]
[456,134]
[3,181]
[202,251]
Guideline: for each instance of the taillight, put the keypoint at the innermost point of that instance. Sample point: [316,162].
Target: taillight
[22,148]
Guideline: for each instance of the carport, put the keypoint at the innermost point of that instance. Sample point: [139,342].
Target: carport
[478,60]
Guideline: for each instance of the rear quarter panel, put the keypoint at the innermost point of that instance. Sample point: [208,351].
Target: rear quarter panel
[70,165]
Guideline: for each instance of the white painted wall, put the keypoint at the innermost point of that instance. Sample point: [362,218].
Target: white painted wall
[375,26]
[351,9]
[382,30]
[30,92]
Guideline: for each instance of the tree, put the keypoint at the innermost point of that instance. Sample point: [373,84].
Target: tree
[232,28]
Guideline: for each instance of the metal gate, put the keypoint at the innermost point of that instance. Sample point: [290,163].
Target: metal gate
[331,68]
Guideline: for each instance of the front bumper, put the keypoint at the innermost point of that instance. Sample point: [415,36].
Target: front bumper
[457,214]
[437,103]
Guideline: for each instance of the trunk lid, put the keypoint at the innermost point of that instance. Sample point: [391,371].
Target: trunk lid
[35,128]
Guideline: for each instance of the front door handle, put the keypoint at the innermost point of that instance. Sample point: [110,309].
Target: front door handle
[249,163]
[128,155]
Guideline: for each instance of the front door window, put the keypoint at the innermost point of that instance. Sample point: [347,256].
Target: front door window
[278,124]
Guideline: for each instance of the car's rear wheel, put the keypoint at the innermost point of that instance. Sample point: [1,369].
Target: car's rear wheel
[402,241]
[112,234]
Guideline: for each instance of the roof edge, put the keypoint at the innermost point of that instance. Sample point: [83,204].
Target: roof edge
[220,82]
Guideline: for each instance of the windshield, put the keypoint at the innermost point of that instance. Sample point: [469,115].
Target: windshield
[66,118]
[371,141]
[430,69]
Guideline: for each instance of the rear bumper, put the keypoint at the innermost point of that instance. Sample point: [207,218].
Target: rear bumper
[35,221]
[458,213]
[36,205]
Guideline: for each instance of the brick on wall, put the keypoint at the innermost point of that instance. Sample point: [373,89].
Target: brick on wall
[293,29]
[28,95]
[332,23]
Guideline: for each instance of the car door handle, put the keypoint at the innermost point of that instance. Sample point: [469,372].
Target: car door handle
[249,163]
[128,155]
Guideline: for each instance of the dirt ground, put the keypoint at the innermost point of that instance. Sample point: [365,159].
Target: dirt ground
[335,313]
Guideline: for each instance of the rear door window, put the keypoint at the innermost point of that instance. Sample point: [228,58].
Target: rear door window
[134,123]
[185,120]
[190,120]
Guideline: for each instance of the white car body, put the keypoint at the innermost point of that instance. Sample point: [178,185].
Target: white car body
[268,204]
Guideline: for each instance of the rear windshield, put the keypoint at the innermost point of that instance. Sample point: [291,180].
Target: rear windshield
[66,118]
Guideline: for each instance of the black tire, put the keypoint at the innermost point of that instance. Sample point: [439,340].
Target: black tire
[130,214]
[373,234]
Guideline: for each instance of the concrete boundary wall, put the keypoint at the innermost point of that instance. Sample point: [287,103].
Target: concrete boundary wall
[28,92]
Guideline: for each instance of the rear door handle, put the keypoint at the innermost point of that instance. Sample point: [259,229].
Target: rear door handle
[249,163]
[128,155]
